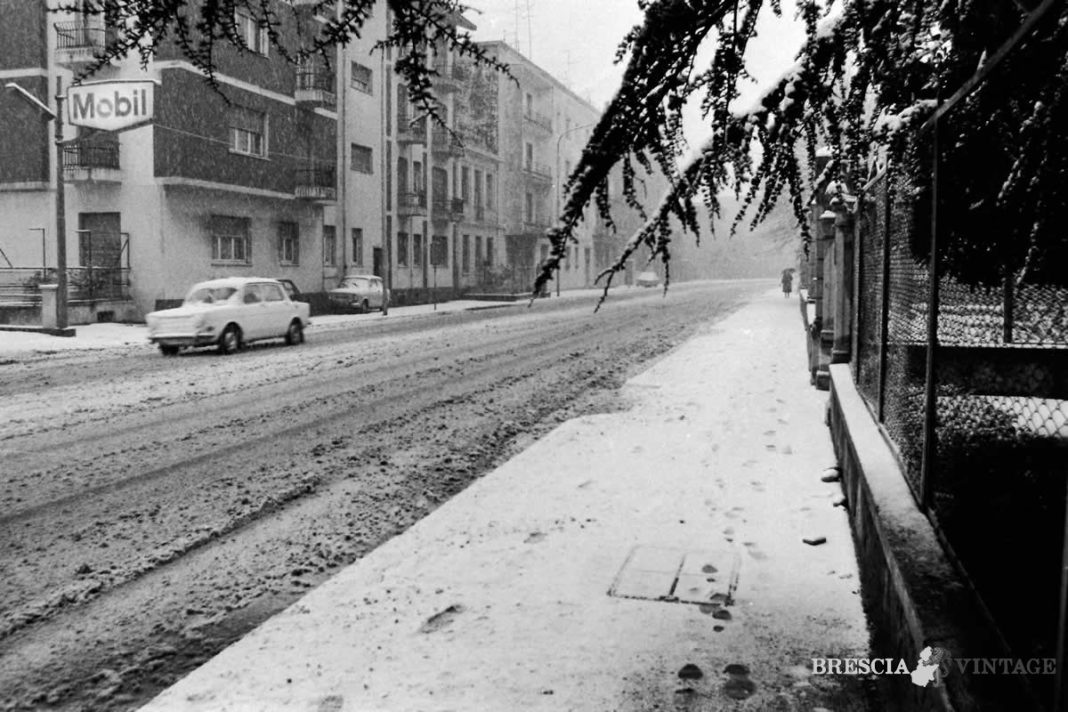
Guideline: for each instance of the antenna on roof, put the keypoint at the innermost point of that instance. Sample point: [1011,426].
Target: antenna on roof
[530,40]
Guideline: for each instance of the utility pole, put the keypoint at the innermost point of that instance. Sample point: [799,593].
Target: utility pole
[61,215]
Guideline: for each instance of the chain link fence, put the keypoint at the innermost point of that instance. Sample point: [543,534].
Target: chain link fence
[969,377]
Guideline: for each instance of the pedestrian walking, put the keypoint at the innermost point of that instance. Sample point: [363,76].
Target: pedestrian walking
[787,282]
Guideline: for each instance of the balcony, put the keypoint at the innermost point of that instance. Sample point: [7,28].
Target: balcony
[325,8]
[315,87]
[542,121]
[446,144]
[538,172]
[79,44]
[485,215]
[409,131]
[448,210]
[535,226]
[411,205]
[451,75]
[315,183]
[96,162]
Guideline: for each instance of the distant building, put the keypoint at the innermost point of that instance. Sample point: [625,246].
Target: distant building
[543,126]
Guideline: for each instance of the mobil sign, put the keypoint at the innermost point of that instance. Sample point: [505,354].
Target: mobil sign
[111,105]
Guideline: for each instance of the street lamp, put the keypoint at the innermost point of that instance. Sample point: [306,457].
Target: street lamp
[559,185]
[61,220]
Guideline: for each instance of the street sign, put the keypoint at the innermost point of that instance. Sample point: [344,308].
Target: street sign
[111,105]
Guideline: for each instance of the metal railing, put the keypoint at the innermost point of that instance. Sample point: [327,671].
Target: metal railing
[539,119]
[541,171]
[21,286]
[78,35]
[315,182]
[83,154]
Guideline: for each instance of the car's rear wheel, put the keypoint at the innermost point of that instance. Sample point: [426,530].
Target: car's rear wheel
[230,340]
[295,333]
[168,349]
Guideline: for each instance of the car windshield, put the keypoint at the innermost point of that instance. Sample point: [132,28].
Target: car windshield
[355,282]
[210,295]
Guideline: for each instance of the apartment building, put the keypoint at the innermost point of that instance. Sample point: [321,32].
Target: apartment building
[543,126]
[304,172]
[219,183]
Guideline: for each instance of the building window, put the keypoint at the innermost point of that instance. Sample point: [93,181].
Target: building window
[417,250]
[528,157]
[439,251]
[489,191]
[389,178]
[465,184]
[529,212]
[357,246]
[465,254]
[362,159]
[478,251]
[402,249]
[489,251]
[478,189]
[361,78]
[230,240]
[288,243]
[329,246]
[251,31]
[248,131]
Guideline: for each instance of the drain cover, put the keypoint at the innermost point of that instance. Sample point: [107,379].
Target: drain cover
[678,575]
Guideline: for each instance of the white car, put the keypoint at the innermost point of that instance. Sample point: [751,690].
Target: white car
[229,313]
[648,279]
[362,292]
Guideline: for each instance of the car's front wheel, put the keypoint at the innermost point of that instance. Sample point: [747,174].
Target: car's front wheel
[295,333]
[168,349]
[230,340]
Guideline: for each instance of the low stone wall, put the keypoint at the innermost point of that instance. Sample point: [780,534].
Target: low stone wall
[78,312]
[914,594]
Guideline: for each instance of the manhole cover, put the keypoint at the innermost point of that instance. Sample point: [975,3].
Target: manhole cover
[678,575]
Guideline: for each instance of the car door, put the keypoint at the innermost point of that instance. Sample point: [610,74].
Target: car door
[376,293]
[279,311]
[253,312]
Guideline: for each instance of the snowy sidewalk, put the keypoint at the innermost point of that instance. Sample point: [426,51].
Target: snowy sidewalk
[639,560]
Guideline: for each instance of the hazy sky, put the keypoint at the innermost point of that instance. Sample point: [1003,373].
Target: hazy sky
[575,40]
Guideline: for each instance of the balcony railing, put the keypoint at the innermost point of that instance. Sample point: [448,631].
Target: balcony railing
[315,86]
[446,143]
[326,8]
[456,207]
[409,131]
[411,204]
[91,161]
[538,171]
[535,225]
[79,43]
[538,119]
[315,183]
[450,74]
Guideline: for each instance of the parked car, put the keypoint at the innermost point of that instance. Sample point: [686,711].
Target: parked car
[648,279]
[360,292]
[229,313]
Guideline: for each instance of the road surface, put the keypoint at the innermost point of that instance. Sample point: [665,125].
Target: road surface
[153,510]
